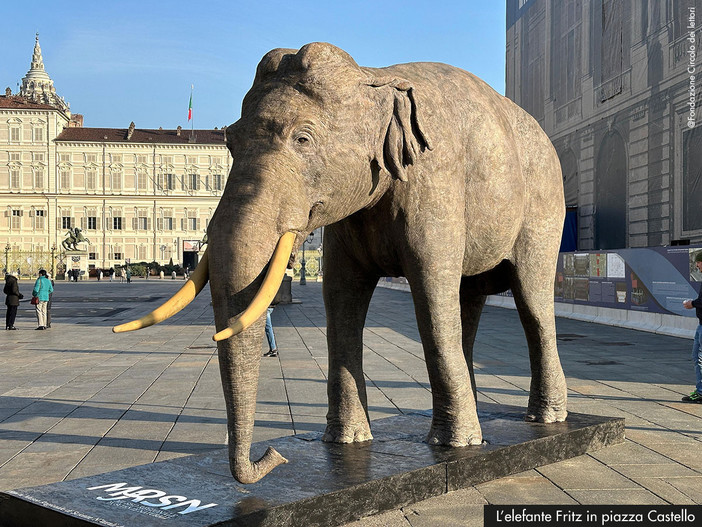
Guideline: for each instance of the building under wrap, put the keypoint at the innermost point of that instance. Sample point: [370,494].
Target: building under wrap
[615,84]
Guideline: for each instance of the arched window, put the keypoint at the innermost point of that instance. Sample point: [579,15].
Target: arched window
[610,193]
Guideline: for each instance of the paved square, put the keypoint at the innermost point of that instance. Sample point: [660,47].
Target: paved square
[78,400]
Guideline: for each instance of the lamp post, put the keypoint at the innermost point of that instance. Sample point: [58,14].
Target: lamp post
[53,261]
[7,261]
[303,278]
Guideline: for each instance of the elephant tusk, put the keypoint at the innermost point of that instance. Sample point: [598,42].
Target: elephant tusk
[267,291]
[173,305]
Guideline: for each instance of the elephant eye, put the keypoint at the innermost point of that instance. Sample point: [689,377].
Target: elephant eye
[303,139]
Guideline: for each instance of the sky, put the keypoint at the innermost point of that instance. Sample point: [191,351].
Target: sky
[123,61]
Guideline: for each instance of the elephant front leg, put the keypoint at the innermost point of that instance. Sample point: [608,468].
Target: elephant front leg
[437,305]
[346,298]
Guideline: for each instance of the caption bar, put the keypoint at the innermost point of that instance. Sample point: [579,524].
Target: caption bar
[591,515]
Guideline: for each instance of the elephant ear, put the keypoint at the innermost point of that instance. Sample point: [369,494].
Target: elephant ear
[404,136]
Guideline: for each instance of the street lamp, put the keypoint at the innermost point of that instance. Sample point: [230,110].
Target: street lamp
[53,261]
[303,278]
[7,261]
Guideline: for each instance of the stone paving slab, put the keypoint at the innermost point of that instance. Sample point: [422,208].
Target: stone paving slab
[63,390]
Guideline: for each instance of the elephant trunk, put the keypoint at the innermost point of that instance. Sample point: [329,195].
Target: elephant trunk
[240,371]
[241,255]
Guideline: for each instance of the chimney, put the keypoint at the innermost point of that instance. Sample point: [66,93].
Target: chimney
[130,131]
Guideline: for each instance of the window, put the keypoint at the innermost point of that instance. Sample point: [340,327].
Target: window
[38,134]
[116,180]
[190,160]
[611,56]
[38,178]
[217,182]
[16,157]
[92,256]
[566,51]
[65,178]
[92,223]
[192,224]
[39,222]
[143,223]
[90,179]
[194,181]
[15,134]
[16,219]
[90,158]
[66,222]
[116,158]
[15,178]
[141,180]
[117,223]
[118,256]
[167,223]
[38,157]
[142,160]
[169,182]
[64,158]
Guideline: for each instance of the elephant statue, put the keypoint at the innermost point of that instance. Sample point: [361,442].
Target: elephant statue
[419,170]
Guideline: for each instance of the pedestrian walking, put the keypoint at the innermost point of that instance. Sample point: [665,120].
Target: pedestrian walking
[129,275]
[42,289]
[270,335]
[111,273]
[11,300]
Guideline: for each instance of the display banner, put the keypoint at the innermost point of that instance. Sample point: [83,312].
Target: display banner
[653,279]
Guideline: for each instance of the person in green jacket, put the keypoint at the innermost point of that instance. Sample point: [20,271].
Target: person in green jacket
[42,290]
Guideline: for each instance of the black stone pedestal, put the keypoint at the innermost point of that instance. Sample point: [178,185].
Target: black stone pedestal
[323,484]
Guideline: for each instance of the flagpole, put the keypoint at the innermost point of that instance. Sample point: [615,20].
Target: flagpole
[192,124]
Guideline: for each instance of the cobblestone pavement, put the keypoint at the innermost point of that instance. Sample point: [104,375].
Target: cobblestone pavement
[78,400]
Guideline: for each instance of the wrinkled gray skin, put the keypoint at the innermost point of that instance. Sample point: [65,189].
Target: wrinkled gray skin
[419,170]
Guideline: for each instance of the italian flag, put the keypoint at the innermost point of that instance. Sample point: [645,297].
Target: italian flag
[190,104]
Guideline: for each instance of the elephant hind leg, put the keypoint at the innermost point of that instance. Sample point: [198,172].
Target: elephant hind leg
[532,286]
[471,309]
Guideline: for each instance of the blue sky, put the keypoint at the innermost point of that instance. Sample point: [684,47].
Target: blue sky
[123,61]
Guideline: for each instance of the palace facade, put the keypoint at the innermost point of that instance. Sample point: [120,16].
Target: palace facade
[615,85]
[137,195]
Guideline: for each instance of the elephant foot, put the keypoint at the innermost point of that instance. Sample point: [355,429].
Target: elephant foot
[448,436]
[337,433]
[546,412]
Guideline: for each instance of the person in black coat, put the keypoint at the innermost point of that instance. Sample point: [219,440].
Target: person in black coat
[11,300]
